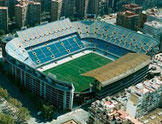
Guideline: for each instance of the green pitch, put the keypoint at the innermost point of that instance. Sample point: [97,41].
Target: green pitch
[72,70]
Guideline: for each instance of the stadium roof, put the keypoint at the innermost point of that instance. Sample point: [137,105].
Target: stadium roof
[119,69]
[45,32]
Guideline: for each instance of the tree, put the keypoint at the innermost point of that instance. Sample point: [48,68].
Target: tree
[6,119]
[3,93]
[2,32]
[23,114]
[48,111]
[15,102]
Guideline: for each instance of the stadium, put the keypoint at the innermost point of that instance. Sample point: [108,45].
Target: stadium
[66,61]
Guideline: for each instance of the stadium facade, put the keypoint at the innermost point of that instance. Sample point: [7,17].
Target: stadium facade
[36,47]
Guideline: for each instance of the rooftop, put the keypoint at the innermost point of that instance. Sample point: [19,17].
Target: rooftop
[155,24]
[146,86]
[2,7]
[34,3]
[22,4]
[132,6]
[107,109]
[119,69]
[70,122]
[154,117]
[128,14]
[154,12]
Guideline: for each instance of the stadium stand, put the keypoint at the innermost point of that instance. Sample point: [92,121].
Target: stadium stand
[40,46]
[55,49]
[117,36]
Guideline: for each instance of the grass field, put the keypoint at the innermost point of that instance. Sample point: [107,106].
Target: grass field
[72,70]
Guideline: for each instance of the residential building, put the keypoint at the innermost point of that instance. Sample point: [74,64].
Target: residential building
[153,14]
[21,14]
[133,7]
[154,117]
[68,8]
[93,7]
[10,4]
[128,20]
[81,8]
[144,97]
[56,8]
[148,3]
[4,18]
[34,13]
[27,13]
[1,2]
[108,111]
[154,29]
[45,4]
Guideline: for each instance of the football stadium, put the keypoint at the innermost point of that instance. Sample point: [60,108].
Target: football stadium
[66,62]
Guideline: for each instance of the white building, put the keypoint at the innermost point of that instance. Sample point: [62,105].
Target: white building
[153,14]
[144,97]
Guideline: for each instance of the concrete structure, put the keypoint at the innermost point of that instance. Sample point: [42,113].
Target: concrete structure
[93,7]
[154,29]
[136,9]
[144,97]
[81,8]
[128,20]
[108,111]
[34,13]
[110,18]
[27,13]
[68,8]
[45,4]
[153,14]
[133,7]
[10,4]
[4,18]
[1,2]
[56,8]
[148,3]
[21,14]
[154,117]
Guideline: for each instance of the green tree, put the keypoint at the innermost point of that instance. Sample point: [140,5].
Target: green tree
[48,111]
[23,114]
[2,32]
[15,102]
[3,93]
[6,119]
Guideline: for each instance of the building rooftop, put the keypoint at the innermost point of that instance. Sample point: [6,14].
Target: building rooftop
[158,57]
[145,87]
[58,1]
[22,4]
[34,3]
[109,18]
[70,122]
[108,110]
[128,14]
[120,68]
[154,12]
[2,7]
[154,117]
[132,6]
[155,24]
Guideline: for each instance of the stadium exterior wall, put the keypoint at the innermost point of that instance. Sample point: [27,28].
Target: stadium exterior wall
[58,94]
[113,88]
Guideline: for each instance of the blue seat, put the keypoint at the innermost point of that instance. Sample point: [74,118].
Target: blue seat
[44,52]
